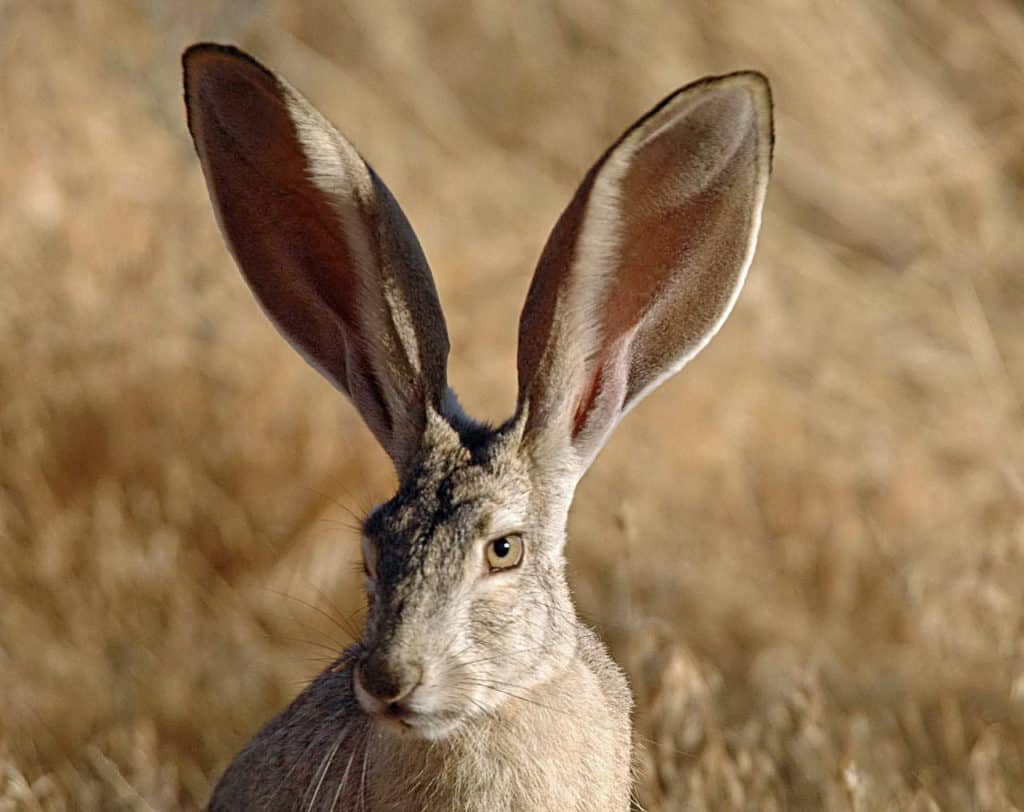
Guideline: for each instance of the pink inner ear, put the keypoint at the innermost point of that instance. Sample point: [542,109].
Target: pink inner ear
[599,409]
[678,185]
[280,227]
[676,268]
[588,398]
[236,108]
[645,263]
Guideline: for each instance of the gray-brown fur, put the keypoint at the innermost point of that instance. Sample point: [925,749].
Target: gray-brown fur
[554,681]
[551,753]
[474,686]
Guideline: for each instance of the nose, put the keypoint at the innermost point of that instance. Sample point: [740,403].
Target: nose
[385,681]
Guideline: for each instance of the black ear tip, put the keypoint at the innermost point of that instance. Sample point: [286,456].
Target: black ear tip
[211,73]
[761,82]
[193,56]
[755,76]
[752,80]
[200,49]
[211,70]
[758,80]
[207,57]
[760,90]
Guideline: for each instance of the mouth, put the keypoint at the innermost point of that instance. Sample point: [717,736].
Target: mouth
[421,713]
[408,723]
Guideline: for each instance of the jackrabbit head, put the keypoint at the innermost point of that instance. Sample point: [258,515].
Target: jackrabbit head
[468,603]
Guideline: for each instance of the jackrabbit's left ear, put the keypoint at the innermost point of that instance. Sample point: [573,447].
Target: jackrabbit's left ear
[644,265]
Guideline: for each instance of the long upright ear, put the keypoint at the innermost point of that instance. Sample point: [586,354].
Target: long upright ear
[322,243]
[644,265]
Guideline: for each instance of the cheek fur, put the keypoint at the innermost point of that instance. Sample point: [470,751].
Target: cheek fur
[507,628]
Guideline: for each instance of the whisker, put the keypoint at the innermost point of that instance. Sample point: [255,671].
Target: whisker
[319,610]
[531,701]
[299,760]
[325,646]
[344,779]
[326,766]
[362,780]
[514,695]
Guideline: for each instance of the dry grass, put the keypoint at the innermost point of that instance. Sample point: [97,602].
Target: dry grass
[807,550]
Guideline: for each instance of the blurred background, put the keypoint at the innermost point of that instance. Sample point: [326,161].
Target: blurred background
[807,550]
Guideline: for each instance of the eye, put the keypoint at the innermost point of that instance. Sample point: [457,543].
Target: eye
[504,553]
[369,559]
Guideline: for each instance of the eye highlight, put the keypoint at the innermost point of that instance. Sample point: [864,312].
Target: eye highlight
[504,553]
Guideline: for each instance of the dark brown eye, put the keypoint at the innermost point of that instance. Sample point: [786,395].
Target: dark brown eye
[504,553]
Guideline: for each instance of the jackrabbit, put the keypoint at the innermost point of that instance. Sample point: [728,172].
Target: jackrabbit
[474,686]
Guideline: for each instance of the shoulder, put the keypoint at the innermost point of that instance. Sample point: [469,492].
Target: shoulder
[266,771]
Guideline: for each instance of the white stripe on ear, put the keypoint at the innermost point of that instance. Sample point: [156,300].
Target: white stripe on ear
[322,243]
[337,170]
[598,253]
[644,265]
[347,182]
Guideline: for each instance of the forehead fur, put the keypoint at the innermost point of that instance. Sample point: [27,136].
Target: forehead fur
[466,482]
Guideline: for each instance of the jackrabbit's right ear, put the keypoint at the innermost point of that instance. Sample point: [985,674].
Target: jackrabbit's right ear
[322,243]
[643,266]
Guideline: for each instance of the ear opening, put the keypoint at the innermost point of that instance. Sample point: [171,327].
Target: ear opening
[644,265]
[322,243]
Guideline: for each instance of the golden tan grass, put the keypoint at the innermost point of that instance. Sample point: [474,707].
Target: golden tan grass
[808,550]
